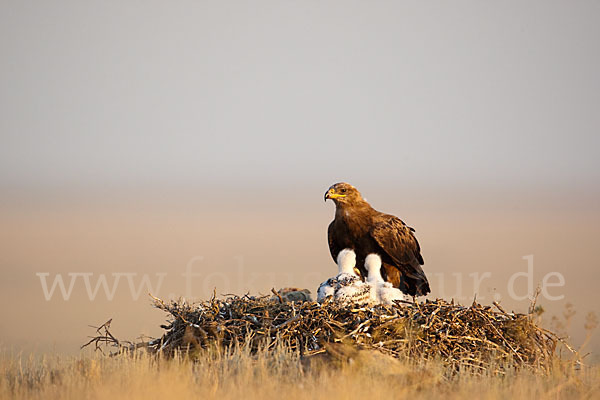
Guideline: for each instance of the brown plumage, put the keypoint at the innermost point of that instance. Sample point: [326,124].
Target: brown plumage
[360,227]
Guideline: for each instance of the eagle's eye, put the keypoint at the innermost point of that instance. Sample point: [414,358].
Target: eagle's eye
[343,190]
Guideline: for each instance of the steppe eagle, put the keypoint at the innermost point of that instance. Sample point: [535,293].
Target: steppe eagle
[360,227]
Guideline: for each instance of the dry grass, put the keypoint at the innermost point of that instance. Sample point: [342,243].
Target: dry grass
[256,348]
[278,373]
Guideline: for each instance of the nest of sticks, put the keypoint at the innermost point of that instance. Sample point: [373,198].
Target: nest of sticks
[473,336]
[478,337]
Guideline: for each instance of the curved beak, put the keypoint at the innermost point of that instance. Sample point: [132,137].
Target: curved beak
[331,194]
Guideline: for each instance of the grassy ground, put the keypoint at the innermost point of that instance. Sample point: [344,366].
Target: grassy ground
[279,374]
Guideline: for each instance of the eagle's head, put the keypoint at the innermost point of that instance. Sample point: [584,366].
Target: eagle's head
[343,193]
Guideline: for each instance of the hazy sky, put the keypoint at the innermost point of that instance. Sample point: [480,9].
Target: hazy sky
[195,92]
[476,122]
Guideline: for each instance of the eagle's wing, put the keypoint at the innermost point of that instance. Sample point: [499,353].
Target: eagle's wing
[400,244]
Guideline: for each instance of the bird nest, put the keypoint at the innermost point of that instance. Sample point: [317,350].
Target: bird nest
[475,336]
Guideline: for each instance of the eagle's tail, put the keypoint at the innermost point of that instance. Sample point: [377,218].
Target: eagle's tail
[410,279]
[417,286]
